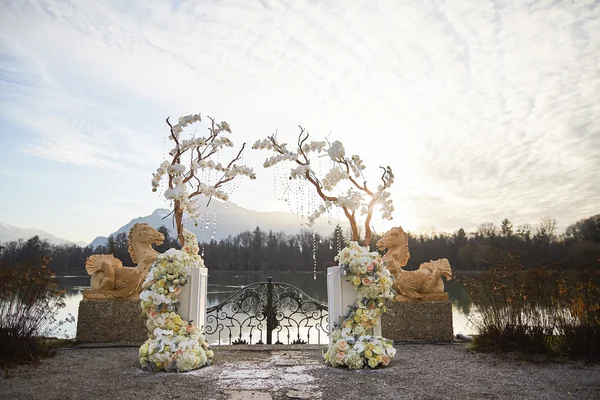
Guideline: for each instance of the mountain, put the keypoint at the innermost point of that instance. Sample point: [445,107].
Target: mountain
[231,219]
[9,233]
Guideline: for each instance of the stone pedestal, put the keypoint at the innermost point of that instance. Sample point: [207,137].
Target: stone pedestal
[340,295]
[114,320]
[192,299]
[418,320]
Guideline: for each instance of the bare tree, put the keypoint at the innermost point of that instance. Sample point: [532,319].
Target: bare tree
[546,229]
[487,230]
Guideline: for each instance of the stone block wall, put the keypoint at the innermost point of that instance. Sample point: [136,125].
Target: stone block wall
[114,320]
[418,321]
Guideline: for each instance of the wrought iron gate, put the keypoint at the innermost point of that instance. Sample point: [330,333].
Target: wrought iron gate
[256,312]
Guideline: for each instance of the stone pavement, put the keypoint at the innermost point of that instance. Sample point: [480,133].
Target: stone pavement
[419,371]
[287,373]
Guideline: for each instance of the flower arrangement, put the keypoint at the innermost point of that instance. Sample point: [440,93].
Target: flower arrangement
[358,352]
[350,345]
[173,343]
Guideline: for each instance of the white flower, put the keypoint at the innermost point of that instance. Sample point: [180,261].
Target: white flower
[336,150]
[359,346]
[159,333]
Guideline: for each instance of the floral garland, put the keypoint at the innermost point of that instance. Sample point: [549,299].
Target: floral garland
[173,344]
[350,345]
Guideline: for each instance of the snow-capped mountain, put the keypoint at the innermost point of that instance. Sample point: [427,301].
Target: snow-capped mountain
[231,219]
[9,233]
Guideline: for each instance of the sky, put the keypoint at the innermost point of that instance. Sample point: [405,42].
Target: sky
[485,110]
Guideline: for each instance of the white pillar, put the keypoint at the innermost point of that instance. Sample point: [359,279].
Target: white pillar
[340,295]
[192,299]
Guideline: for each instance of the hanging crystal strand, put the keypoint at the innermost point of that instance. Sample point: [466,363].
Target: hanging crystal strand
[338,232]
[279,184]
[202,227]
[275,172]
[301,194]
[214,233]
[214,226]
[297,201]
[203,230]
[314,255]
[287,184]
[303,201]
[281,188]
[332,241]
[162,184]
[314,201]
[205,179]
[338,213]
[329,209]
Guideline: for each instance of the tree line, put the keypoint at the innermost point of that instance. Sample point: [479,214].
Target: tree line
[257,250]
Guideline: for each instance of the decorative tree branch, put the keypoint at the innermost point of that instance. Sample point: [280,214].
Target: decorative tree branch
[185,177]
[359,196]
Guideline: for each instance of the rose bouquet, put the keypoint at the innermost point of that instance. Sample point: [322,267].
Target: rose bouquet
[357,352]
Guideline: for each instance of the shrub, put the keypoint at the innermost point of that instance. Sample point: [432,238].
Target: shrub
[29,302]
[579,329]
[541,311]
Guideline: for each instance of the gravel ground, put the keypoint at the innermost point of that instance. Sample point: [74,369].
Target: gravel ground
[419,371]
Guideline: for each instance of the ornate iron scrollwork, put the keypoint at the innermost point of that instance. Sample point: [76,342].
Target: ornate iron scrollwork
[259,310]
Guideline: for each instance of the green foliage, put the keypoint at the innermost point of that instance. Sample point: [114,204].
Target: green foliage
[29,303]
[542,311]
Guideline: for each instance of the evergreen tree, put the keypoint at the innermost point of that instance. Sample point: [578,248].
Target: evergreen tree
[506,228]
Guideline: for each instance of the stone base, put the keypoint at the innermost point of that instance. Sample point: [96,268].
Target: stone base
[426,297]
[418,320]
[114,320]
[106,295]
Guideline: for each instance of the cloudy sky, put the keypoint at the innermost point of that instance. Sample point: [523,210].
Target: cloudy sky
[484,109]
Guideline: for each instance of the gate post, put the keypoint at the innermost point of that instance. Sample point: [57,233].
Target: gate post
[269,310]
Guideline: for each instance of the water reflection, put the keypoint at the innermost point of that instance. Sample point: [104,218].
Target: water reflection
[459,297]
[223,286]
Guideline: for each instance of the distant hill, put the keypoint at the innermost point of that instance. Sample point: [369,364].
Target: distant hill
[231,220]
[9,233]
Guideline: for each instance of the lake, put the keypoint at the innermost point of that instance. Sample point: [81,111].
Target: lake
[222,286]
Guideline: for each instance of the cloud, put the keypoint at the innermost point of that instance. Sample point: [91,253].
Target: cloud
[485,109]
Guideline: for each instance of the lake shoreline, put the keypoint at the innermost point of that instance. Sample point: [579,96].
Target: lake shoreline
[221,287]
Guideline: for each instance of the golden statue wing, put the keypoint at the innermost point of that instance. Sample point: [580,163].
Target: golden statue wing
[98,261]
